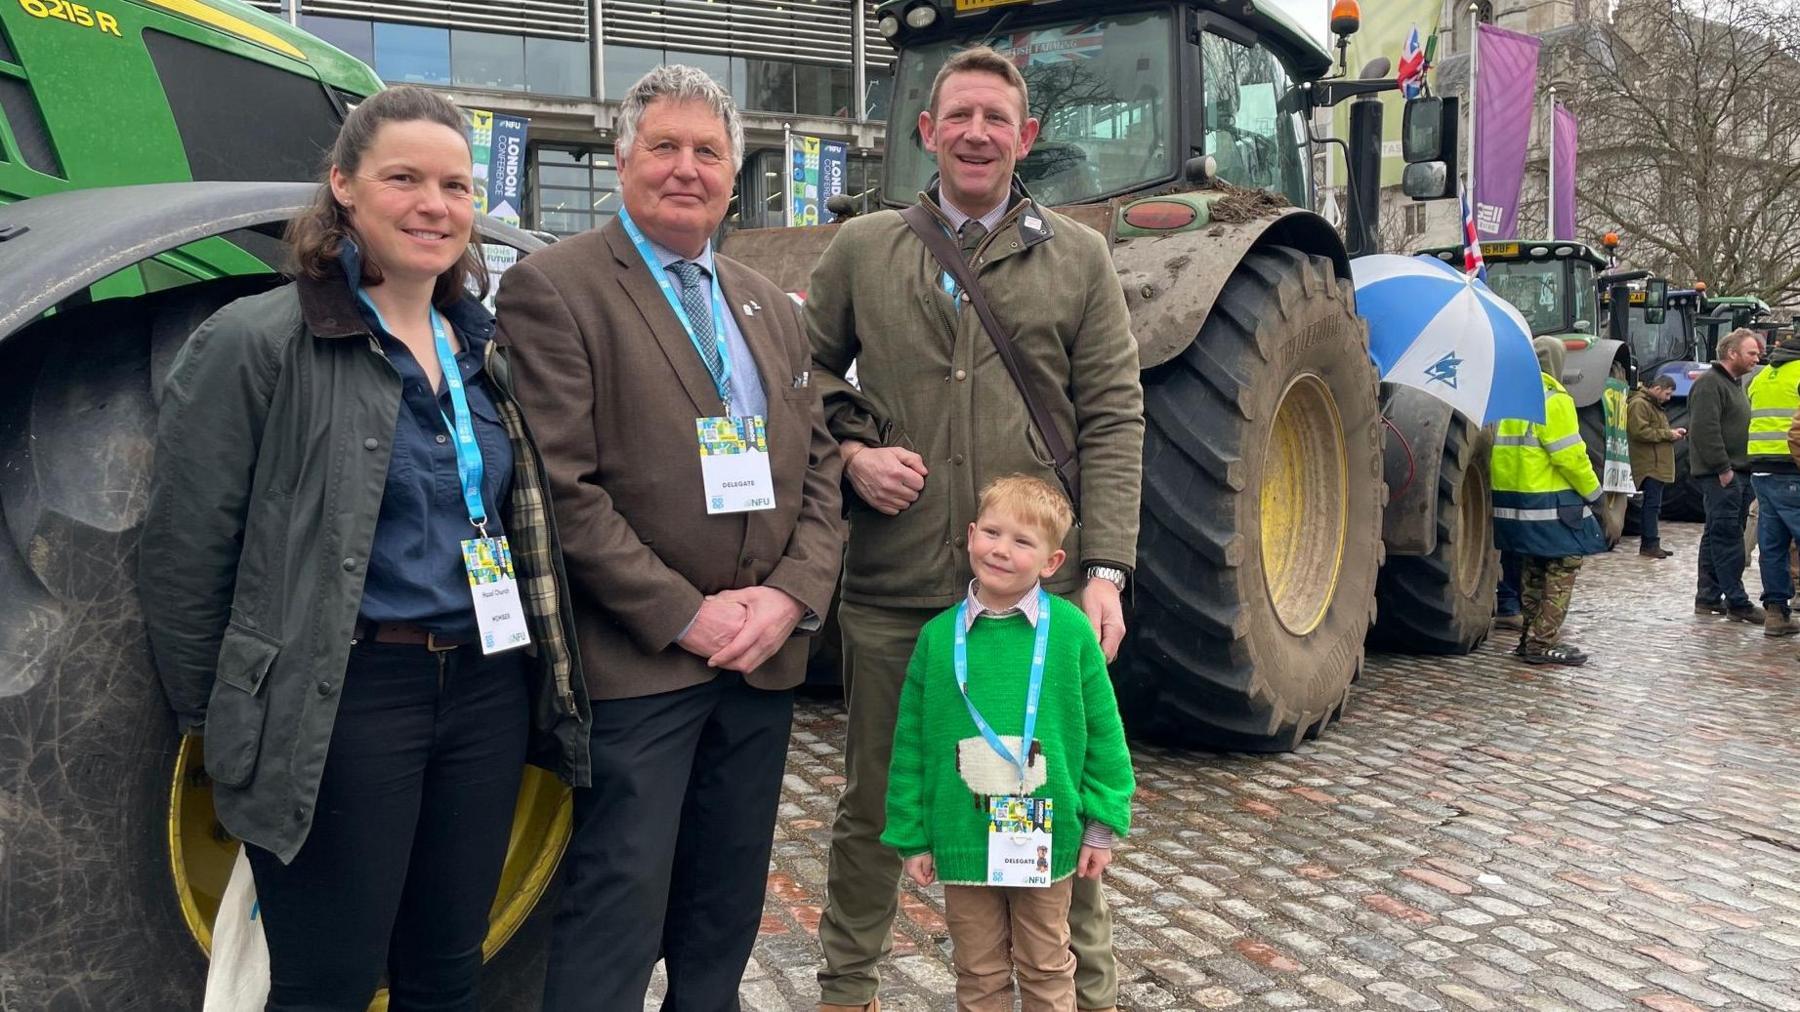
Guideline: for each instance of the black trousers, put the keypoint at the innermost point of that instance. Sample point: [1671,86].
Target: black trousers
[408,836]
[670,852]
[1721,562]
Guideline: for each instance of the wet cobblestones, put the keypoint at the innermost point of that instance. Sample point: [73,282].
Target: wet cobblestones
[1477,834]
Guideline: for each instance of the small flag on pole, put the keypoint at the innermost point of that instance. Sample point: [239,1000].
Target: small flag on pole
[1472,262]
[1411,77]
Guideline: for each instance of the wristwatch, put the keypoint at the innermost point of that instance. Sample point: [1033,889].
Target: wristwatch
[1111,574]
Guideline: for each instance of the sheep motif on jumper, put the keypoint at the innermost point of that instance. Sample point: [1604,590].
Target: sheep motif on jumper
[986,774]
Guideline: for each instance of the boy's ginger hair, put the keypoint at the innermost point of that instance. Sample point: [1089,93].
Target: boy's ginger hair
[1033,501]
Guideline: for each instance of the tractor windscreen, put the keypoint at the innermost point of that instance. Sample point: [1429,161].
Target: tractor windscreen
[1672,340]
[1555,296]
[1099,87]
[1253,141]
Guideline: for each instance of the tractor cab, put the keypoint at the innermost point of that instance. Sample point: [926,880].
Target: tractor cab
[1665,342]
[1551,284]
[1126,105]
[1721,314]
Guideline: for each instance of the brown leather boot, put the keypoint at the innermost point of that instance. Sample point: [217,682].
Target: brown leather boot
[1776,622]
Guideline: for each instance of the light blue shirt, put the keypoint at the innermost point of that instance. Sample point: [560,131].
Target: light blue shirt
[747,394]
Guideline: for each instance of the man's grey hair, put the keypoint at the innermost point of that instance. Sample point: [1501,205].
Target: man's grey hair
[679,83]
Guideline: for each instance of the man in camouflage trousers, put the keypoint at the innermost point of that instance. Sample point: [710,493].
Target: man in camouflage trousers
[1544,495]
[1548,584]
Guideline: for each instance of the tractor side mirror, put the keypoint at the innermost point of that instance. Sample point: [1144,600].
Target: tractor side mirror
[1427,181]
[1656,300]
[1428,143]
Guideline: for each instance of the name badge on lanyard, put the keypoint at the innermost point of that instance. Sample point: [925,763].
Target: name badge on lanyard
[734,452]
[1019,826]
[493,587]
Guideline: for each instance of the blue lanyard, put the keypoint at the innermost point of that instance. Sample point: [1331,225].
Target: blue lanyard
[1035,689]
[468,451]
[723,380]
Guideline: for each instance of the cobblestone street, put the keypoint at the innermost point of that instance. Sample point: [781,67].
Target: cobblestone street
[1475,835]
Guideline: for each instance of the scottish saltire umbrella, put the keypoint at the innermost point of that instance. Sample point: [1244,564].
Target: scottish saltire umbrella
[1437,329]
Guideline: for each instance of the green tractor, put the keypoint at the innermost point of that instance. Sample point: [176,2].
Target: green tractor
[1265,469]
[149,155]
[1556,287]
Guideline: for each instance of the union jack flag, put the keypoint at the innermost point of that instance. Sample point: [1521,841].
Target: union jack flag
[1472,262]
[1052,45]
[1412,66]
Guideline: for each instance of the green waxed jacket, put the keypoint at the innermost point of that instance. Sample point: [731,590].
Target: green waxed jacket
[276,424]
[929,379]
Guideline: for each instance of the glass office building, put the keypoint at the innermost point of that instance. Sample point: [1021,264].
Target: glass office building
[816,66]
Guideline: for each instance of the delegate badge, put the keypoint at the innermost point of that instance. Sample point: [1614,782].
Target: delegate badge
[1019,841]
[734,464]
[499,613]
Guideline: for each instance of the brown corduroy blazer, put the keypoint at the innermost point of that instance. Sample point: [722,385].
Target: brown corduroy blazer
[611,387]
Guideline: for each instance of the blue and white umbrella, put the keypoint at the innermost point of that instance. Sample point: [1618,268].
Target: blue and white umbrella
[1444,332]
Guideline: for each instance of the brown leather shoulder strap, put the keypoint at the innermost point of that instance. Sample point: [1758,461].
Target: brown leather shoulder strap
[949,256]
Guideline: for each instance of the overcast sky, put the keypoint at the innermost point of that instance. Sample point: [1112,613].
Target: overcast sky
[1310,13]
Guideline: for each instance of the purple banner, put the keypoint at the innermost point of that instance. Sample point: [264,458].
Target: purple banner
[1506,78]
[1562,173]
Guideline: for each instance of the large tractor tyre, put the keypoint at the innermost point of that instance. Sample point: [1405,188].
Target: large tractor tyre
[114,863]
[1681,500]
[1610,511]
[1443,603]
[1261,528]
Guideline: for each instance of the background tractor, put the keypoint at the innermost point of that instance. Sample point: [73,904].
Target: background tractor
[1674,346]
[1263,522]
[1556,286]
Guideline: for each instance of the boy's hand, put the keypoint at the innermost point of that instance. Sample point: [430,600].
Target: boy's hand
[921,868]
[1093,861]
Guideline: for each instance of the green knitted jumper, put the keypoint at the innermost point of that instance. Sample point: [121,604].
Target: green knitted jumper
[1087,768]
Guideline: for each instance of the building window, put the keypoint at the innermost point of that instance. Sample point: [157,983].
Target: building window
[353,36]
[769,87]
[726,70]
[573,190]
[821,90]
[1412,215]
[412,54]
[624,65]
[557,67]
[486,60]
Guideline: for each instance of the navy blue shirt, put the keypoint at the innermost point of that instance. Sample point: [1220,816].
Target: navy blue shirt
[416,570]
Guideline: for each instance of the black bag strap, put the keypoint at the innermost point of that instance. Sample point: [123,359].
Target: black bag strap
[948,255]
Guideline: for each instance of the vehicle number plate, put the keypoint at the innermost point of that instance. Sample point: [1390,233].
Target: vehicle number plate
[965,6]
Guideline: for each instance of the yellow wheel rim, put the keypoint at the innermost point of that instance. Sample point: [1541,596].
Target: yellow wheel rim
[201,853]
[1304,521]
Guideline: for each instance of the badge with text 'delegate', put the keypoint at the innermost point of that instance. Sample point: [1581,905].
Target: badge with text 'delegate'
[734,464]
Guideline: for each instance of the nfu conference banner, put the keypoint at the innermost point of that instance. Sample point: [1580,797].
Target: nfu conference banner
[816,171]
[498,145]
[1506,66]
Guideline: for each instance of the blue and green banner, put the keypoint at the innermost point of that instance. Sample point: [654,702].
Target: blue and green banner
[816,170]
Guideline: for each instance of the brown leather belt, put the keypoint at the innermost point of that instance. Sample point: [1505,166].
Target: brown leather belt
[406,635]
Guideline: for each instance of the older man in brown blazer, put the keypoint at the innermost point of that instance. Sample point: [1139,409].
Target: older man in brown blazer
[642,359]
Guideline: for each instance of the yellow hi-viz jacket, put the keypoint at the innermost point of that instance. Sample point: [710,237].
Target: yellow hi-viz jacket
[1774,397]
[1544,484]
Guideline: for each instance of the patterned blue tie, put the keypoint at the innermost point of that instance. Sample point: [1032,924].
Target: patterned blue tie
[696,300]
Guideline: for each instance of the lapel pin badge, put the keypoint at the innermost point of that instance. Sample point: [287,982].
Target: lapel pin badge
[751,308]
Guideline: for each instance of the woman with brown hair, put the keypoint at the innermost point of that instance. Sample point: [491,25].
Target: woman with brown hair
[351,580]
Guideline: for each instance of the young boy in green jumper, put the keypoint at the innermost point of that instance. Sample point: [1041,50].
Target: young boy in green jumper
[1010,770]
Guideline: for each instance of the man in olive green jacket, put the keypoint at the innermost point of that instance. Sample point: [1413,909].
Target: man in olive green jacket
[934,418]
